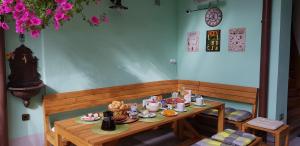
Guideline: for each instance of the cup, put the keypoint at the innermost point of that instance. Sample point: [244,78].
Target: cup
[170,106]
[133,107]
[199,101]
[174,94]
[180,107]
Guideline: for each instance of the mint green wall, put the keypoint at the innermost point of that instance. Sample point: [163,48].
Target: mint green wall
[135,47]
[280,56]
[224,66]
[221,67]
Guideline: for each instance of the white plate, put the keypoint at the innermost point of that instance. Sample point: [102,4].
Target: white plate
[89,119]
[199,104]
[150,115]
[179,110]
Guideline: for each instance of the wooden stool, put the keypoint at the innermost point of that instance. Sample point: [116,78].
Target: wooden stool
[279,133]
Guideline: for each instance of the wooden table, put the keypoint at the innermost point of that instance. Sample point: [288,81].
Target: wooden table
[281,132]
[82,135]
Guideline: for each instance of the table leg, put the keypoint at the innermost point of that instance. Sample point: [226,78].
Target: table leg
[221,115]
[277,140]
[58,140]
[287,140]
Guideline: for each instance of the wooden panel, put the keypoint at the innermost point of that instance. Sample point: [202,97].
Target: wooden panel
[64,102]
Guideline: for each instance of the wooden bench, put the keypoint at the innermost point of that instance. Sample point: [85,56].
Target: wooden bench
[71,101]
[245,95]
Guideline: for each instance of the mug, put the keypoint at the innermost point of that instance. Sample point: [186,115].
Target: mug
[199,101]
[174,94]
[180,107]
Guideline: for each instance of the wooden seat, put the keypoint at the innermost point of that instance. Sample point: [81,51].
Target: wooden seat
[240,94]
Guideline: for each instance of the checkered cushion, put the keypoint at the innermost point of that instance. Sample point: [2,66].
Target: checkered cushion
[209,142]
[234,138]
[239,115]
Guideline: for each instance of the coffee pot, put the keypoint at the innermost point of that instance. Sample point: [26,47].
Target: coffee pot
[108,124]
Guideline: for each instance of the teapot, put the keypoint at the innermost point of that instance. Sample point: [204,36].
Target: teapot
[153,106]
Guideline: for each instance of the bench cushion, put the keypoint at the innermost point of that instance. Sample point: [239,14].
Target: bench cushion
[214,112]
[209,142]
[239,115]
[233,137]
[231,114]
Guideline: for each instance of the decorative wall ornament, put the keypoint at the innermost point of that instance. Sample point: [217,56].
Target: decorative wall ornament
[213,40]
[213,17]
[24,79]
[237,40]
[193,42]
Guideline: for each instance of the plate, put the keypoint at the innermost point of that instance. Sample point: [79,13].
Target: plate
[201,105]
[162,113]
[89,119]
[180,111]
[150,115]
[128,121]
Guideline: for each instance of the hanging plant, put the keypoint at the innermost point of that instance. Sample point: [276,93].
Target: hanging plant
[34,15]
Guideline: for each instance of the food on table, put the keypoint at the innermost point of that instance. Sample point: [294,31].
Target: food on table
[118,118]
[169,113]
[146,114]
[91,117]
[119,107]
[175,100]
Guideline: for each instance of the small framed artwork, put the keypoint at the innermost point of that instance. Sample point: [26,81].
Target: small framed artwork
[193,42]
[213,40]
[237,40]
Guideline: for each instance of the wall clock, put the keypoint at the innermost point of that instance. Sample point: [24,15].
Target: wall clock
[213,17]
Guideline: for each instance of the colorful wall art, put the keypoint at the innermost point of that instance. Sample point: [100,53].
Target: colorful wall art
[213,40]
[237,40]
[193,42]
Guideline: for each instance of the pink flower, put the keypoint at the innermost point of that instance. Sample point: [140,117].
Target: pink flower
[7,1]
[59,15]
[6,9]
[105,19]
[4,26]
[60,1]
[67,6]
[35,33]
[25,16]
[48,12]
[56,25]
[95,20]
[35,21]
[20,7]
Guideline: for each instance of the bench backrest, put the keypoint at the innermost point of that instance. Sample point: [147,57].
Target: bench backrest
[64,102]
[247,95]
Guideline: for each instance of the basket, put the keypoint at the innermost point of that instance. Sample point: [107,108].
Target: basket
[119,111]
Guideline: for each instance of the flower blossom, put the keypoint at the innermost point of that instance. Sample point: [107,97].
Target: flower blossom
[4,26]
[95,20]
[35,33]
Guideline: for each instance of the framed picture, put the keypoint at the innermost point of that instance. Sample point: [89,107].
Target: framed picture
[193,42]
[213,40]
[237,40]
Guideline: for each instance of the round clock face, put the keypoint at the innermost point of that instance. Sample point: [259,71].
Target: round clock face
[213,17]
